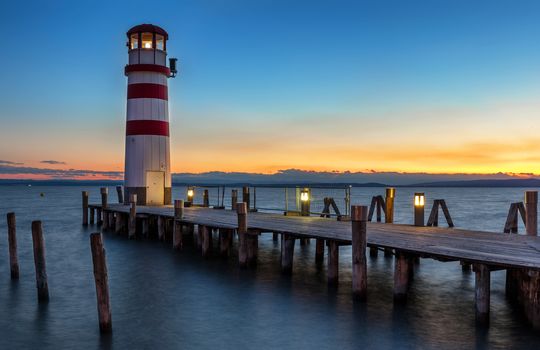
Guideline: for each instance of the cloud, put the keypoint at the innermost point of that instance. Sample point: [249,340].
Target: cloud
[7,162]
[52,162]
[17,172]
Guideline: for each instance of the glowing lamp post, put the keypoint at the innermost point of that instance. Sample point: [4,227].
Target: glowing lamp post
[190,195]
[419,204]
[305,202]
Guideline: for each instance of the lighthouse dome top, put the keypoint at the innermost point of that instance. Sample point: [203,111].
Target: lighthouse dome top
[148,28]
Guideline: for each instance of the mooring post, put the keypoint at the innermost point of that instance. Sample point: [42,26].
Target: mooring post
[206,234]
[319,251]
[241,211]
[402,276]
[287,253]
[245,196]
[482,292]
[12,241]
[206,199]
[252,240]
[104,212]
[333,263]
[359,244]
[39,262]
[85,208]
[388,215]
[177,225]
[531,213]
[120,194]
[132,223]
[234,199]
[102,282]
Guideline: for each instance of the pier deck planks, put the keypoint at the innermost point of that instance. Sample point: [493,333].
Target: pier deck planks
[493,249]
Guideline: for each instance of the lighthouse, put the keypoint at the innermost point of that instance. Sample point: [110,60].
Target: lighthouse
[147,162]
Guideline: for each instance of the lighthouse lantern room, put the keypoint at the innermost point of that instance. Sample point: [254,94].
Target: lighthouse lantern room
[147,162]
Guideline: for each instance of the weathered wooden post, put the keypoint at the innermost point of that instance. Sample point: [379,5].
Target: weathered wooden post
[333,263]
[85,208]
[225,239]
[531,213]
[206,199]
[482,292]
[402,276]
[206,234]
[252,241]
[419,205]
[161,221]
[132,223]
[92,211]
[389,213]
[359,244]
[120,194]
[39,262]
[102,282]
[104,212]
[245,196]
[234,199]
[287,253]
[177,226]
[12,241]
[241,211]
[119,224]
[319,251]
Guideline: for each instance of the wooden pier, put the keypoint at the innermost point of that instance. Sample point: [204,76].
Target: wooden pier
[519,255]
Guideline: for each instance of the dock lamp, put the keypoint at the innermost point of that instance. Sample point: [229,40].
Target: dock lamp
[419,205]
[190,195]
[305,202]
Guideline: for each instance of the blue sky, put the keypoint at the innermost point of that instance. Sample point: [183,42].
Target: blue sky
[272,65]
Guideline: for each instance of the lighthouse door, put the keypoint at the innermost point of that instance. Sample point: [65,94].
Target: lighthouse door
[155,187]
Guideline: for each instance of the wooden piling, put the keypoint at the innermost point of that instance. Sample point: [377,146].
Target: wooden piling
[333,263]
[102,282]
[234,199]
[252,242]
[104,193]
[39,262]
[119,225]
[319,251]
[85,208]
[225,240]
[482,292]
[287,253]
[99,216]
[206,234]
[359,244]
[241,211]
[92,211]
[402,276]
[275,237]
[120,194]
[177,225]
[12,241]
[161,222]
[531,213]
[389,215]
[246,197]
[206,199]
[132,223]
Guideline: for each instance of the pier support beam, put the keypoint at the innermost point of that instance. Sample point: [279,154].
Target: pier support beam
[120,194]
[177,223]
[333,263]
[206,234]
[287,253]
[241,211]
[92,212]
[389,215]
[402,276]
[252,238]
[359,244]
[319,251]
[225,241]
[275,237]
[85,208]
[482,292]
[132,221]
[161,228]
[119,225]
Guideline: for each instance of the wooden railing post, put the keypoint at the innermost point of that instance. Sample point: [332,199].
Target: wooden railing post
[245,196]
[177,226]
[39,262]
[102,282]
[531,213]
[359,244]
[132,221]
[85,208]
[241,211]
[12,240]
[120,194]
[234,199]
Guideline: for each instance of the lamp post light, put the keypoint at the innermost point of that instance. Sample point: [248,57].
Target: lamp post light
[305,202]
[419,205]
[190,195]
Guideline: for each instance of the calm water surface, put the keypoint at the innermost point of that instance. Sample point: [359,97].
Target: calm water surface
[163,299]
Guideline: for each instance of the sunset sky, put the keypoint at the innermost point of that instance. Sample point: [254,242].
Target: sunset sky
[438,86]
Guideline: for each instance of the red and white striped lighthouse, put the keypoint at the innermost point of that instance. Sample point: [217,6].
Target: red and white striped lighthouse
[148,165]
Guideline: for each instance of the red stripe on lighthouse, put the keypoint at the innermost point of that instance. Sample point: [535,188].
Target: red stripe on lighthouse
[147,127]
[146,90]
[147,68]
